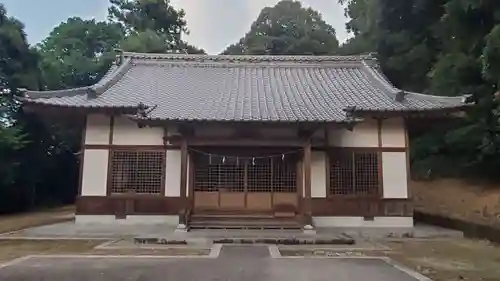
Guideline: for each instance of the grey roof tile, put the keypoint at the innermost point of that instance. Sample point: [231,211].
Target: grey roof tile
[245,88]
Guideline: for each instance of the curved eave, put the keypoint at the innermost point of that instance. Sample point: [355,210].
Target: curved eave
[38,107]
[440,102]
[45,95]
[415,112]
[445,101]
[114,74]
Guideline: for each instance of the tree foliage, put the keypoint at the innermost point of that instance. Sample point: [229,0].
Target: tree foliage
[17,60]
[38,162]
[443,47]
[18,68]
[287,29]
[78,52]
[152,26]
[142,15]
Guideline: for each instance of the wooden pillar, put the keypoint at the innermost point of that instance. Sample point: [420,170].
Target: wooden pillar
[380,159]
[307,181]
[184,172]
[191,182]
[82,157]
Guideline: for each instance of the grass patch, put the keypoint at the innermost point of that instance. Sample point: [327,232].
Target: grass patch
[154,252]
[9,223]
[15,248]
[12,249]
[450,260]
[321,253]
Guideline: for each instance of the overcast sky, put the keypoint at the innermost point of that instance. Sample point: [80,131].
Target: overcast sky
[214,24]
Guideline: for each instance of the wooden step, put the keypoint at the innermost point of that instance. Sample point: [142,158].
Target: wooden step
[232,216]
[242,222]
[221,225]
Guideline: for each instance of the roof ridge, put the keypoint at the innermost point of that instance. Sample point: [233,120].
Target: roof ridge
[248,58]
[114,74]
[245,64]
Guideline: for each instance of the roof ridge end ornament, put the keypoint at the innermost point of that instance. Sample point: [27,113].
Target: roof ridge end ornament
[350,117]
[92,93]
[143,110]
[349,111]
[21,91]
[371,59]
[400,96]
[119,57]
[467,99]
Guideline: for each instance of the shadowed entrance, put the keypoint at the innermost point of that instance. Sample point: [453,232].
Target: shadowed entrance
[241,181]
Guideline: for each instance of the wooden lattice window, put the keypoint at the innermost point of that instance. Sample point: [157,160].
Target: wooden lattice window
[354,172]
[140,172]
[214,174]
[245,175]
[259,175]
[272,175]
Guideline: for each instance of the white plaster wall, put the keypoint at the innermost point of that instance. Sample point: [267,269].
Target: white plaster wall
[393,222]
[395,174]
[97,129]
[318,174]
[393,133]
[363,135]
[126,132]
[95,169]
[173,173]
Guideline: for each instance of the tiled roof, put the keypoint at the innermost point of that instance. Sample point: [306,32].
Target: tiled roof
[245,88]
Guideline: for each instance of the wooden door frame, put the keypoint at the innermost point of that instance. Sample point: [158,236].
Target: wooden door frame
[299,185]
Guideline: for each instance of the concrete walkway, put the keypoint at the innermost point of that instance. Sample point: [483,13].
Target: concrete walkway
[236,263]
[114,231]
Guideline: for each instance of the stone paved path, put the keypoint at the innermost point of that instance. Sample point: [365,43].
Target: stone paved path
[235,263]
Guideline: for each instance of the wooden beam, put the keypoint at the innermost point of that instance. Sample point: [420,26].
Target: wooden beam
[82,156]
[238,142]
[111,128]
[327,160]
[307,180]
[407,144]
[380,124]
[184,171]
[109,181]
[300,186]
[186,131]
[191,181]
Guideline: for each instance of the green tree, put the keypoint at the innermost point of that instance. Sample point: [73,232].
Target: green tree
[406,41]
[151,42]
[78,52]
[287,29]
[151,26]
[18,68]
[443,47]
[364,15]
